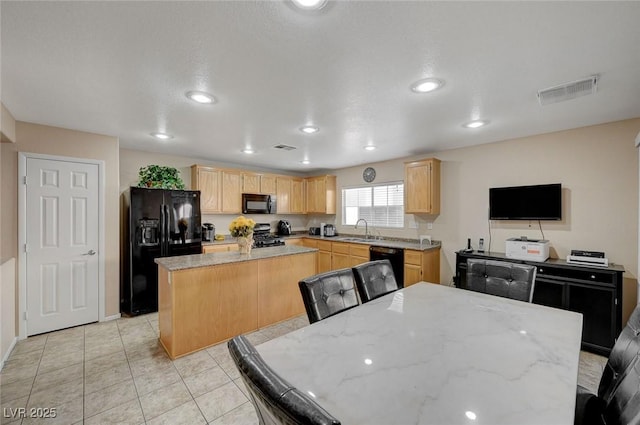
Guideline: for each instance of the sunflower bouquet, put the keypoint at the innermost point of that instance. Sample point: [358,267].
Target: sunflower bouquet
[242,227]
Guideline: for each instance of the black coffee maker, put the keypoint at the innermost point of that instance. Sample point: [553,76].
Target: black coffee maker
[284,228]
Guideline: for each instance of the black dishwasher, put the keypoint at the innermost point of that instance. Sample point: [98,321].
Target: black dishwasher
[395,256]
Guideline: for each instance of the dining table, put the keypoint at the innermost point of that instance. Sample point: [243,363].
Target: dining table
[433,354]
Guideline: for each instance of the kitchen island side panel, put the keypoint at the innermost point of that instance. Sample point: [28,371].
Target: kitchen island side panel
[279,296]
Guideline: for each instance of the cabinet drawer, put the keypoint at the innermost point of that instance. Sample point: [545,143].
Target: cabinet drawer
[577,274]
[324,246]
[340,247]
[358,250]
[413,257]
[310,243]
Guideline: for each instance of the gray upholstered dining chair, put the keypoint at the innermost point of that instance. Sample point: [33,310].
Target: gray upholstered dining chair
[329,293]
[501,278]
[618,396]
[374,279]
[275,400]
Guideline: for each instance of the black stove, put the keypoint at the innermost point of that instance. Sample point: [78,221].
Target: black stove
[262,237]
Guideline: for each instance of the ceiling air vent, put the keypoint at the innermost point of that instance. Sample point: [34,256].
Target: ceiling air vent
[568,91]
[285,147]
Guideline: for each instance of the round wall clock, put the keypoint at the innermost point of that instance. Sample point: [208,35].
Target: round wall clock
[369,174]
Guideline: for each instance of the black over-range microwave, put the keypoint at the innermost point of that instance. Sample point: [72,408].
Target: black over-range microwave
[253,203]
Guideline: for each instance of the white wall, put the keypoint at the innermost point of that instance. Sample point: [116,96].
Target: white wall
[598,169]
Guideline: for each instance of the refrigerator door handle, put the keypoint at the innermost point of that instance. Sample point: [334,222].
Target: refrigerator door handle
[166,229]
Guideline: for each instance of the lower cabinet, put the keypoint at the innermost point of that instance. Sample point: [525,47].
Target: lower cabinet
[421,266]
[594,292]
[206,249]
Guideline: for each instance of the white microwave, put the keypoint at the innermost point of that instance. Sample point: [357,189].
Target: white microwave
[253,203]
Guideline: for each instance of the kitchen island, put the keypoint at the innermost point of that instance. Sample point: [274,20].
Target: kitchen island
[205,299]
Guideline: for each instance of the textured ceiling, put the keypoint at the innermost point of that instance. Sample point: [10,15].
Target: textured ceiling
[122,69]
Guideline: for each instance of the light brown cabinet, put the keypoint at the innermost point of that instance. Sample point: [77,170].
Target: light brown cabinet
[324,256]
[220,189]
[231,192]
[421,266]
[283,193]
[296,198]
[340,256]
[207,181]
[207,249]
[258,183]
[321,194]
[422,186]
[359,254]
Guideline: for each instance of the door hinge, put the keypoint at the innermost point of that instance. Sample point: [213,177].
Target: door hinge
[26,247]
[26,316]
[24,180]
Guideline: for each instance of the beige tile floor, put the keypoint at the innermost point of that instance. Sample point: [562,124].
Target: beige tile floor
[116,373]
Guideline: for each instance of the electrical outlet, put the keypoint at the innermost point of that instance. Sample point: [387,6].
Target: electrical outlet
[429,226]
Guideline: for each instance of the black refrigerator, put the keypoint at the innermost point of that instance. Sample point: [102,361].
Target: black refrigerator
[162,223]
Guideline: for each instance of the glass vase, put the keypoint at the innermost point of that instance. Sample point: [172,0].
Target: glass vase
[245,243]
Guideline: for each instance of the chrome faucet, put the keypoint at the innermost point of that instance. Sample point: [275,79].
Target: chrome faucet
[366,227]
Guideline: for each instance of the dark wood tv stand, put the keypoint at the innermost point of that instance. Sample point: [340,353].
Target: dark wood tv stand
[596,292]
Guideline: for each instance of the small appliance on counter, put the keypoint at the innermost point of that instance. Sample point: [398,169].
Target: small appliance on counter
[284,228]
[208,232]
[329,230]
[527,249]
[314,231]
[588,258]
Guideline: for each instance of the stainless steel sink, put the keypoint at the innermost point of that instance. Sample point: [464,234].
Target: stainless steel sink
[356,240]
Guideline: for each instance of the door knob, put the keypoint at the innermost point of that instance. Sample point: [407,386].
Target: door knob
[91,252]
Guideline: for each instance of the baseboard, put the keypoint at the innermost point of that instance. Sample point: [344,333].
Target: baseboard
[8,353]
[114,317]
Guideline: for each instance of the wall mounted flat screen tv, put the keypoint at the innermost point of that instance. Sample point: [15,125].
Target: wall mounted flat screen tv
[540,202]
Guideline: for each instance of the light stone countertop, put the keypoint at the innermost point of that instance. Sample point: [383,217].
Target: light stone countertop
[431,354]
[183,262]
[404,244]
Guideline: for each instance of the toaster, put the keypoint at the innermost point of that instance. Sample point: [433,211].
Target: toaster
[314,231]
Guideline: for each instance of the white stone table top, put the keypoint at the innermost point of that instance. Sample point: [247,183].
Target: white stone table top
[431,354]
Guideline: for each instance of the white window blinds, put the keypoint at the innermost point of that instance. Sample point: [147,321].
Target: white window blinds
[381,206]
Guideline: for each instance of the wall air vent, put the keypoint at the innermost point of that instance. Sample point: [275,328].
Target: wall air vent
[285,147]
[568,91]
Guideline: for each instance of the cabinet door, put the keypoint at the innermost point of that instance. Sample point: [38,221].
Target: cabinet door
[412,274]
[312,189]
[250,183]
[324,261]
[309,243]
[355,260]
[295,241]
[321,195]
[597,305]
[296,200]
[268,185]
[422,186]
[231,192]
[340,261]
[208,183]
[548,292]
[283,192]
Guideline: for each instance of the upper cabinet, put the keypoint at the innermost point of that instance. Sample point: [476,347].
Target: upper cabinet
[207,181]
[422,186]
[321,194]
[290,192]
[220,189]
[258,183]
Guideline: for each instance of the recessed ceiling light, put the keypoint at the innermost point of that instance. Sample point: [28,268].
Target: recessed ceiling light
[162,136]
[201,97]
[305,161]
[369,147]
[248,150]
[309,4]
[309,129]
[475,124]
[426,85]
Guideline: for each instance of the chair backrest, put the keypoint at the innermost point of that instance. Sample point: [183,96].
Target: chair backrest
[501,278]
[624,351]
[623,405]
[374,279]
[328,293]
[275,400]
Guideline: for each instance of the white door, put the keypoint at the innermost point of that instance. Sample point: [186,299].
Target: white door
[62,235]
